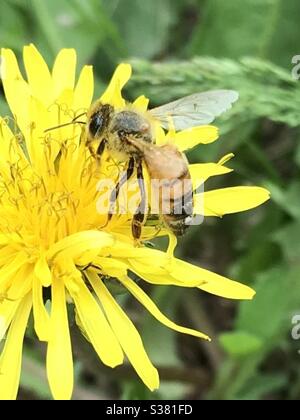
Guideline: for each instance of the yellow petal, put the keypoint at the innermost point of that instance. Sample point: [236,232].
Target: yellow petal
[20,287]
[41,316]
[84,90]
[59,351]
[141,103]
[160,136]
[7,254]
[10,270]
[225,158]
[3,327]
[232,200]
[212,282]
[13,82]
[22,283]
[43,148]
[127,334]
[200,172]
[96,326]
[80,243]
[57,114]
[145,300]
[10,151]
[11,356]
[172,244]
[163,277]
[147,266]
[7,311]
[6,137]
[111,266]
[38,75]
[63,73]
[65,114]
[189,138]
[9,66]
[228,288]
[125,250]
[112,94]
[42,271]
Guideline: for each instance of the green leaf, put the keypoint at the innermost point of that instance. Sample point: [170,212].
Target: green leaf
[287,198]
[288,239]
[144,26]
[260,385]
[33,376]
[268,316]
[160,343]
[228,28]
[3,107]
[283,47]
[11,17]
[72,23]
[240,343]
[163,350]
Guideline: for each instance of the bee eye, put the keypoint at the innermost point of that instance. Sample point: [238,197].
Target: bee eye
[96,125]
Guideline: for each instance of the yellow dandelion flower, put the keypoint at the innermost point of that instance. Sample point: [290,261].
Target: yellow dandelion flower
[51,235]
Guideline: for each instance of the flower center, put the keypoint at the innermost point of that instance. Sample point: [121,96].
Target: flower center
[41,204]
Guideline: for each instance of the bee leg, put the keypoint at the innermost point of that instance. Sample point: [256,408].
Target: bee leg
[100,148]
[140,213]
[115,192]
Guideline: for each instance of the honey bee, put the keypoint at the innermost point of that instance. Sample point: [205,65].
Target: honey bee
[129,135]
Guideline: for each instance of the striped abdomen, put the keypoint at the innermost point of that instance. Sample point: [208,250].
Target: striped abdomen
[171,186]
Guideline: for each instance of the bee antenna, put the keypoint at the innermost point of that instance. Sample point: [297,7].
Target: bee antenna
[78,116]
[74,121]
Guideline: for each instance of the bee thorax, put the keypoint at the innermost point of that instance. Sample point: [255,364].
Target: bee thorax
[130,123]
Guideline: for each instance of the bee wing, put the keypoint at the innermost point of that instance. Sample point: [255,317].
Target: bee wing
[197,109]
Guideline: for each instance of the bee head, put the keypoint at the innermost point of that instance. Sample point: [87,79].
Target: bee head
[99,120]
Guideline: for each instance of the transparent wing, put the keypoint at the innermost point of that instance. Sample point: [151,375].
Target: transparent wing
[197,109]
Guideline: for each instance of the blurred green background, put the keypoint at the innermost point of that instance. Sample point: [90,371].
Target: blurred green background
[179,47]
